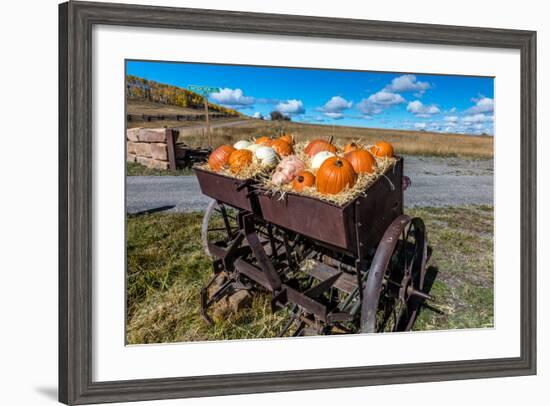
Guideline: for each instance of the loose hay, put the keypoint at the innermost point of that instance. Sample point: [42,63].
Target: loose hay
[255,169]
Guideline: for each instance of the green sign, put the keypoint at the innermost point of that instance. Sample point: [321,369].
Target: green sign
[204,90]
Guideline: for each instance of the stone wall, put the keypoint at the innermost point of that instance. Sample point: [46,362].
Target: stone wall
[151,147]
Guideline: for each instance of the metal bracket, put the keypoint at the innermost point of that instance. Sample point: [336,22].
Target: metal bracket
[265,263]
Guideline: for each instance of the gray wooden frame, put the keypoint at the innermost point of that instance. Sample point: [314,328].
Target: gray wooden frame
[75,201]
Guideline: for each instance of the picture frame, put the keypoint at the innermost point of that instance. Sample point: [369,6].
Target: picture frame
[76,20]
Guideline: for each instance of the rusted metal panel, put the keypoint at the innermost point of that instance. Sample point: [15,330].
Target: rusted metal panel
[234,192]
[382,205]
[320,220]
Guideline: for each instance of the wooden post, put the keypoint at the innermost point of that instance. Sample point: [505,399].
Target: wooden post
[171,145]
[207,122]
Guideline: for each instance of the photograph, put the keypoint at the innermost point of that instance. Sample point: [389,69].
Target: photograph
[266,202]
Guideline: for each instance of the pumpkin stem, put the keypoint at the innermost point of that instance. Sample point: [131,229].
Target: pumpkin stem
[300,178]
[339,163]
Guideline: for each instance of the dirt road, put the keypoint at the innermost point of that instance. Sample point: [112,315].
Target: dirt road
[436,182]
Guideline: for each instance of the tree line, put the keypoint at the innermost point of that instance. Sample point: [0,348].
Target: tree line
[142,89]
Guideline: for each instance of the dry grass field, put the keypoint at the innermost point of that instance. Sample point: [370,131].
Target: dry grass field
[404,142]
[152,108]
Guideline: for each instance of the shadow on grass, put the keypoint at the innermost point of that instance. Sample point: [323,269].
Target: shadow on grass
[429,280]
[151,211]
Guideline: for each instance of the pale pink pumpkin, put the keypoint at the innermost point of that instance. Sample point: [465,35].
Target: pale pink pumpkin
[287,169]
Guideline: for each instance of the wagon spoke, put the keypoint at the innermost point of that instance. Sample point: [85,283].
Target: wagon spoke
[219,225]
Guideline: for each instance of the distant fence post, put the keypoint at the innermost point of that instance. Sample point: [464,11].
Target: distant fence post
[171,145]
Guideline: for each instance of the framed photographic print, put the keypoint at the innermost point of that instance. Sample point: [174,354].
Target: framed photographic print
[260,202]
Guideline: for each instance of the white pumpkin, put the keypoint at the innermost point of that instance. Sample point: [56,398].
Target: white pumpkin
[253,147]
[267,155]
[242,144]
[319,158]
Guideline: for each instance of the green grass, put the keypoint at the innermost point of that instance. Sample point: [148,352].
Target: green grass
[462,242]
[167,268]
[135,169]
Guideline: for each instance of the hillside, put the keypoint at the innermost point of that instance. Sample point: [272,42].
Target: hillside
[152,108]
[143,90]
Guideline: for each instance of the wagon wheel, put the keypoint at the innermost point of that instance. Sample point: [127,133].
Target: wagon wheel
[393,292]
[219,224]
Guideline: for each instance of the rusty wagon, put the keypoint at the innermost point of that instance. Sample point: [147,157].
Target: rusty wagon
[335,269]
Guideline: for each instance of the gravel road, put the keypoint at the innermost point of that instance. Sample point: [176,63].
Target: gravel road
[436,182]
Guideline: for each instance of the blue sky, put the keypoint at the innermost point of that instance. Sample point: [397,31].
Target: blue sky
[441,103]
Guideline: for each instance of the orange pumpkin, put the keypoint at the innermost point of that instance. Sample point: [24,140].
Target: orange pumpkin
[382,149]
[311,144]
[288,138]
[361,160]
[317,146]
[264,141]
[302,180]
[334,175]
[352,146]
[239,159]
[282,147]
[219,157]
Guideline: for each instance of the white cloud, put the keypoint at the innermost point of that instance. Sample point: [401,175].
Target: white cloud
[336,104]
[483,105]
[232,97]
[291,107]
[421,110]
[476,118]
[257,115]
[385,98]
[451,119]
[450,129]
[334,116]
[420,126]
[377,102]
[407,83]
[368,109]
